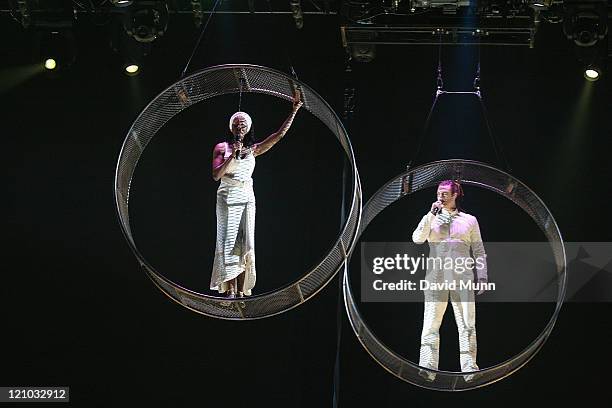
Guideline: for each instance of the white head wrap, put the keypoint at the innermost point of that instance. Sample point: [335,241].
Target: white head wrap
[243,115]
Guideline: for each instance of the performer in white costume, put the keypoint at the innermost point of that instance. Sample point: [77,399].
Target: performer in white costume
[233,163]
[450,233]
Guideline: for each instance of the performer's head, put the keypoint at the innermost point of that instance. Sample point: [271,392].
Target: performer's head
[240,124]
[450,194]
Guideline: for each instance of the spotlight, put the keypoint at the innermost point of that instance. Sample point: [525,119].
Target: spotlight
[363,52]
[54,48]
[585,34]
[592,73]
[585,24]
[146,20]
[593,60]
[121,3]
[132,55]
[196,9]
[131,69]
[50,31]
[540,4]
[296,11]
[363,48]
[131,51]
[50,64]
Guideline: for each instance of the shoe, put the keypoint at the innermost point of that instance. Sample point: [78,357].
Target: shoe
[471,377]
[427,375]
[228,295]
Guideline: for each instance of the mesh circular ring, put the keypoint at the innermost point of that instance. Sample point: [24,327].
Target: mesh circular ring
[202,86]
[470,173]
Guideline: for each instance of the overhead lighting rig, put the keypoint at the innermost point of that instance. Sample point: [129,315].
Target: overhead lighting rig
[448,22]
[104,8]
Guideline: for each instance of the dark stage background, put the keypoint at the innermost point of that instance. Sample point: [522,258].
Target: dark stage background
[79,312]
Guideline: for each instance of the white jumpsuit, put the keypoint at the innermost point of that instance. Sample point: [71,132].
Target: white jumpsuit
[450,234]
[235,249]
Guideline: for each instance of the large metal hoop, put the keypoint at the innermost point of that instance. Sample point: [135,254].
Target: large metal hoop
[474,174]
[202,86]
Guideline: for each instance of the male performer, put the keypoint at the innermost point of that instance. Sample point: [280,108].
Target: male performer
[450,233]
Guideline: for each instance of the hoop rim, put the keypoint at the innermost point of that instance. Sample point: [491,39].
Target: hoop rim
[533,347]
[353,213]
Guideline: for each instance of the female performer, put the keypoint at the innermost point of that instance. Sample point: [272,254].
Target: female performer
[233,163]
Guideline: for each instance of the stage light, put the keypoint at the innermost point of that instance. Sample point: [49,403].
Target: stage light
[593,60]
[146,21]
[50,33]
[296,11]
[592,73]
[540,4]
[132,69]
[132,55]
[585,24]
[53,48]
[121,3]
[363,52]
[131,52]
[363,48]
[50,63]
[196,10]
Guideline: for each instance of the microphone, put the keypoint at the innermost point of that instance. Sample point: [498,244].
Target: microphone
[436,210]
[238,152]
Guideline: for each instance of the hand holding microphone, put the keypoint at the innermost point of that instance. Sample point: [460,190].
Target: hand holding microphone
[237,149]
[436,207]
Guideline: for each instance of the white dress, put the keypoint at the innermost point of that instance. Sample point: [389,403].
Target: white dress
[450,234]
[235,248]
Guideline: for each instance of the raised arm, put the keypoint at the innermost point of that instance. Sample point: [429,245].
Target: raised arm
[219,164]
[268,142]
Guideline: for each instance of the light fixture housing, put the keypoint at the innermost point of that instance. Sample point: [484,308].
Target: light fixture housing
[592,73]
[146,20]
[53,47]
